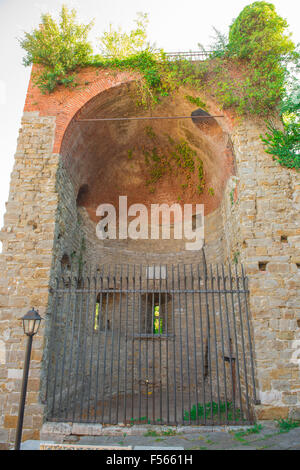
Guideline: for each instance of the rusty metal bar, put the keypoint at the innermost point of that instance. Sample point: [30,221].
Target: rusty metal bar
[147,118]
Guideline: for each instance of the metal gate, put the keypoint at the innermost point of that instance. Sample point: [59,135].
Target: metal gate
[151,345]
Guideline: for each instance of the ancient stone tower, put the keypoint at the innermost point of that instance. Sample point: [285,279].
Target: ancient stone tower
[64,167]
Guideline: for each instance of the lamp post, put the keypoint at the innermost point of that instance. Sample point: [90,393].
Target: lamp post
[31,323]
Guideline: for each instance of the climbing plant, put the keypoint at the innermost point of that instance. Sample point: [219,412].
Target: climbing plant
[246,72]
[284,143]
[178,155]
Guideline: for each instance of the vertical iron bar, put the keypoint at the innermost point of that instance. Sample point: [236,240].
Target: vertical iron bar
[67,323]
[93,316]
[50,347]
[202,349]
[236,342]
[133,345]
[98,342]
[243,342]
[160,339]
[249,332]
[78,351]
[119,342]
[195,344]
[105,342]
[208,341]
[56,347]
[149,332]
[112,344]
[181,346]
[229,341]
[87,301]
[174,346]
[76,280]
[167,344]
[222,342]
[215,335]
[187,342]
[126,345]
[153,348]
[140,345]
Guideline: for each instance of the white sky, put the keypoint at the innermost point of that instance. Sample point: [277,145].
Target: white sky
[175,25]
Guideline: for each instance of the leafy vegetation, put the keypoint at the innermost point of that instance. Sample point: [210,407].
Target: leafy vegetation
[248,70]
[210,410]
[197,101]
[286,425]
[219,46]
[178,155]
[248,432]
[167,432]
[117,44]
[231,195]
[256,49]
[236,257]
[284,144]
[59,47]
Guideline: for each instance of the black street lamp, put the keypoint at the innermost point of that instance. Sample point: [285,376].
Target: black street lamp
[31,323]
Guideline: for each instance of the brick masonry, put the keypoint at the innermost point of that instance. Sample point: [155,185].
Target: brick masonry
[257,223]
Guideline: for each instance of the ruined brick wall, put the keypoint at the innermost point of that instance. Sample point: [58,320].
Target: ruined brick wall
[259,226]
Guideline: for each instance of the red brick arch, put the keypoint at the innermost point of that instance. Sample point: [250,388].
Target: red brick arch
[64,102]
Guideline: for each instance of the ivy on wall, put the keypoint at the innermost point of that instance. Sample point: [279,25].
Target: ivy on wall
[178,155]
[284,143]
[247,72]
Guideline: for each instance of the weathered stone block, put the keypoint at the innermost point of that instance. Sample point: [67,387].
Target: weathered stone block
[264,412]
[10,421]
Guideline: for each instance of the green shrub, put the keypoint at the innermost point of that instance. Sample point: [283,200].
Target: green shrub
[258,34]
[60,47]
[260,49]
[286,425]
[284,144]
[118,44]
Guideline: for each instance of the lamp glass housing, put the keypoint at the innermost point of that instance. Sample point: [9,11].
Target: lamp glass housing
[31,322]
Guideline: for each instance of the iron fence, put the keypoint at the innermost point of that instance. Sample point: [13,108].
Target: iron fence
[151,344]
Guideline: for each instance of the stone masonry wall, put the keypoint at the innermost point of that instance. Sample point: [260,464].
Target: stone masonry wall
[27,238]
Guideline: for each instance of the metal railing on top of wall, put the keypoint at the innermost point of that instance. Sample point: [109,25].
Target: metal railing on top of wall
[190,55]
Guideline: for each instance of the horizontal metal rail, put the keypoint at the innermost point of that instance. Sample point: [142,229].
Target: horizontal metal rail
[147,118]
[145,291]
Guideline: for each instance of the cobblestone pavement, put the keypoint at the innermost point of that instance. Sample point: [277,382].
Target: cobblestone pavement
[264,436]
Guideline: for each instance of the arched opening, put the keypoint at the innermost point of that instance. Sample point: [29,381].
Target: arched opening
[156,161]
[140,310]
